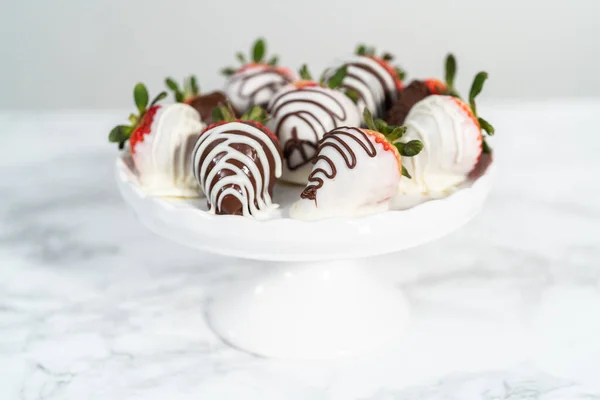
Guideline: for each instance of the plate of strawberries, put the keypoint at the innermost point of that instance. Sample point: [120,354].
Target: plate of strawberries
[312,174]
[355,150]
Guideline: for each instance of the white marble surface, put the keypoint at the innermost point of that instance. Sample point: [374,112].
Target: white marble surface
[93,306]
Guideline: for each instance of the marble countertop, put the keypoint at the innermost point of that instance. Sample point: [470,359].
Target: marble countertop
[94,306]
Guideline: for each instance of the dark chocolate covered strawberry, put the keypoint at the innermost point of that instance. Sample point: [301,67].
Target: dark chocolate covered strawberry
[236,162]
[417,90]
[190,94]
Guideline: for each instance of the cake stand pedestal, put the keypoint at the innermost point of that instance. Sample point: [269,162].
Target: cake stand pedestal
[318,299]
[310,311]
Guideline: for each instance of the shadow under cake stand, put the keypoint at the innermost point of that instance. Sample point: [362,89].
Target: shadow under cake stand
[318,300]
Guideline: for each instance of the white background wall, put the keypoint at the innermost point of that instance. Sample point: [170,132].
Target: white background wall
[90,53]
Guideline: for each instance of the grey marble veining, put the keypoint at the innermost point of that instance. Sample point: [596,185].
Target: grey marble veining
[94,306]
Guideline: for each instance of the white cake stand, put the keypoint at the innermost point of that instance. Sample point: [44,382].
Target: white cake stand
[318,301]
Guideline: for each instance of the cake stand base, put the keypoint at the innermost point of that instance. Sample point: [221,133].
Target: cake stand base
[310,311]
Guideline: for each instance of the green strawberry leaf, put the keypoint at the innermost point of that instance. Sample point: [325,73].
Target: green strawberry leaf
[338,77]
[158,98]
[387,57]
[396,133]
[273,61]
[368,117]
[140,96]
[352,95]
[241,57]
[381,125]
[258,51]
[450,70]
[217,114]
[305,73]
[171,84]
[120,133]
[405,173]
[400,73]
[228,71]
[361,50]
[411,148]
[486,126]
[227,113]
[476,88]
[485,147]
[174,87]
[195,90]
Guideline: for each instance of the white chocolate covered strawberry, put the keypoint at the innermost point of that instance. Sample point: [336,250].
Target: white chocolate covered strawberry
[255,82]
[301,113]
[452,135]
[161,139]
[356,172]
[373,78]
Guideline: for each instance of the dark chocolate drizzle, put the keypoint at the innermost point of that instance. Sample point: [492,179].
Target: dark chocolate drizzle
[230,204]
[306,148]
[389,97]
[335,139]
[272,87]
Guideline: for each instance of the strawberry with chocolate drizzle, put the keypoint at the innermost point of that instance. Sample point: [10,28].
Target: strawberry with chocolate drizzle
[374,78]
[257,80]
[356,171]
[161,138]
[236,162]
[305,110]
[190,94]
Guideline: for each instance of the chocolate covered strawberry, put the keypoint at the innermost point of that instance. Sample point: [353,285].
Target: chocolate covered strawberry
[236,162]
[356,171]
[257,80]
[453,135]
[190,94]
[417,90]
[375,80]
[161,138]
[302,112]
